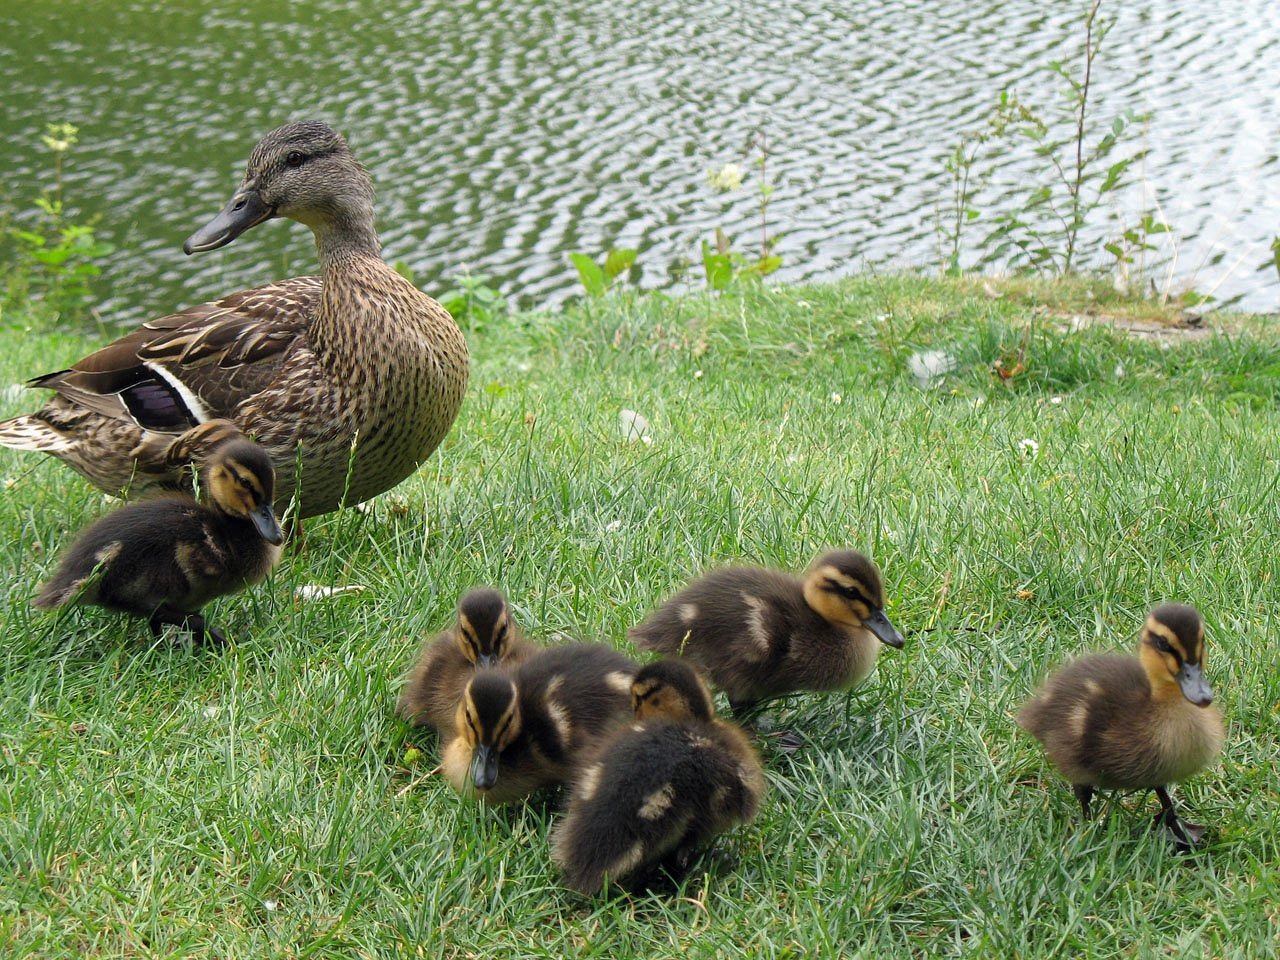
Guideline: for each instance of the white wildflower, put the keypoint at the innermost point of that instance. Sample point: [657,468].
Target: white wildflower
[1029,448]
[697,374]
[613,526]
[837,399]
[271,906]
[211,712]
[727,179]
[1055,400]
[929,366]
[634,427]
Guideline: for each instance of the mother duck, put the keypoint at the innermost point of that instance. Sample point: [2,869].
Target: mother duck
[349,380]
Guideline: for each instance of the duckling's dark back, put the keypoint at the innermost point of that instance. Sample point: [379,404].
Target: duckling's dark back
[166,550]
[571,694]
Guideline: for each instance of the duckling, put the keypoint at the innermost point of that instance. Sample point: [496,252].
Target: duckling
[166,557]
[658,790]
[484,636]
[761,634]
[1131,723]
[521,729]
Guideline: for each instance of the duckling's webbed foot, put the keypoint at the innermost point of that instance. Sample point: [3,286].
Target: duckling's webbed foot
[192,623]
[1084,793]
[1186,836]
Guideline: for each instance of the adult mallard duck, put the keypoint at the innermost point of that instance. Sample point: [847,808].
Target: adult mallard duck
[348,380]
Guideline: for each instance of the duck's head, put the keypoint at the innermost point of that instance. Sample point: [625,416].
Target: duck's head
[488,720]
[485,632]
[240,481]
[844,587]
[1172,652]
[303,171]
[673,690]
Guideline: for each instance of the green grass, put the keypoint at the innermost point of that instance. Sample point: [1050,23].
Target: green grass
[253,802]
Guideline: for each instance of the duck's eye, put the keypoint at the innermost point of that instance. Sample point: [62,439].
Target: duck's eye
[296,158]
[1163,645]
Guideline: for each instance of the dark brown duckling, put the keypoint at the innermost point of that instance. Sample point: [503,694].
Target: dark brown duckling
[1132,723]
[521,729]
[658,790]
[166,557]
[484,636]
[761,633]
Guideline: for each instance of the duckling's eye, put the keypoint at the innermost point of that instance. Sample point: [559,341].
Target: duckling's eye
[295,158]
[1162,645]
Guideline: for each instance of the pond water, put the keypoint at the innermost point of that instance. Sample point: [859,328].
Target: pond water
[502,136]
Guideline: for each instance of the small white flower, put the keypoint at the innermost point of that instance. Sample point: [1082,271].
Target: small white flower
[271,906]
[804,304]
[1029,448]
[1055,400]
[727,179]
[1119,371]
[929,366]
[613,526]
[211,712]
[10,482]
[697,374]
[837,399]
[634,427]
[311,591]
[978,401]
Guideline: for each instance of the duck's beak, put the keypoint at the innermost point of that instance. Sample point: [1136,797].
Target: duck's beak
[244,210]
[484,767]
[885,631]
[264,521]
[1194,686]
[487,660]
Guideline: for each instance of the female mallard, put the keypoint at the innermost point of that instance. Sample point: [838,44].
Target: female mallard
[348,380]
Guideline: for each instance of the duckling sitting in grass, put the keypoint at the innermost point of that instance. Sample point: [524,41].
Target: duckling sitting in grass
[660,789]
[761,634]
[1133,723]
[484,636]
[521,729]
[166,557]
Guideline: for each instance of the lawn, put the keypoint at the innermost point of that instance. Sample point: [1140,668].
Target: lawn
[258,800]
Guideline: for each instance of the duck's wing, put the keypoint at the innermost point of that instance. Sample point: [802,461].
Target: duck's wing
[175,372]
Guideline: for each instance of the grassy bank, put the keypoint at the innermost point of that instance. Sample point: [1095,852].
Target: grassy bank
[255,802]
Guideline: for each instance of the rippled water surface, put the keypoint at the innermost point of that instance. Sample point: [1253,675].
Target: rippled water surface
[502,136]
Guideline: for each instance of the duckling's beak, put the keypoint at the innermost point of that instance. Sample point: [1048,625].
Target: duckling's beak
[264,521]
[484,767]
[1194,686]
[244,210]
[885,631]
[487,660]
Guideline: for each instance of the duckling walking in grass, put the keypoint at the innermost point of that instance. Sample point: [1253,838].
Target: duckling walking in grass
[521,729]
[660,789]
[1132,723]
[167,557]
[761,634]
[484,636]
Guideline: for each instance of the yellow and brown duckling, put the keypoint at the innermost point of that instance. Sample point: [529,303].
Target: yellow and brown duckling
[660,789]
[348,379]
[518,730]
[484,636]
[166,557]
[1130,723]
[762,633]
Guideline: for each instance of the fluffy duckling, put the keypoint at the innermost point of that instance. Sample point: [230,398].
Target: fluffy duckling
[167,557]
[521,729]
[484,636]
[761,634]
[660,789]
[1133,723]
